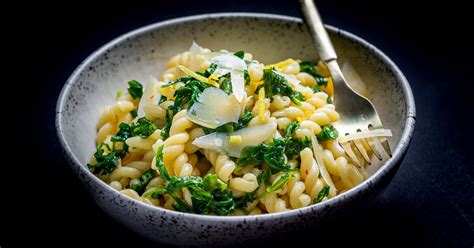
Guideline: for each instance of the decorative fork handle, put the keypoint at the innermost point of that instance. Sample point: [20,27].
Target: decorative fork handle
[316,27]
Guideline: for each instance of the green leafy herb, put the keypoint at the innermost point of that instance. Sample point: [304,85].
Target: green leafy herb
[316,89]
[279,184]
[178,80]
[240,54]
[275,84]
[134,113]
[272,154]
[329,100]
[144,180]
[165,132]
[143,128]
[327,133]
[162,99]
[209,71]
[208,194]
[106,161]
[226,85]
[246,77]
[188,94]
[309,68]
[135,89]
[323,193]
[232,126]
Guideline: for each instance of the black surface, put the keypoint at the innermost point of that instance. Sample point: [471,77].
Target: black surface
[430,201]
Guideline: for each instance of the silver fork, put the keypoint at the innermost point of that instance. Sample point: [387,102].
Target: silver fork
[356,112]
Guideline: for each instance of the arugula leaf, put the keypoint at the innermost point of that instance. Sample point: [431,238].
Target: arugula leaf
[232,126]
[135,89]
[272,154]
[328,133]
[208,194]
[178,80]
[323,193]
[246,77]
[275,84]
[315,89]
[165,132]
[279,184]
[160,165]
[106,163]
[143,128]
[240,54]
[134,113]
[295,146]
[188,94]
[309,68]
[144,180]
[226,85]
[162,99]
[209,71]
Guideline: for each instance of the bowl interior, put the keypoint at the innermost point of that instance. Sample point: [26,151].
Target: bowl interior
[270,39]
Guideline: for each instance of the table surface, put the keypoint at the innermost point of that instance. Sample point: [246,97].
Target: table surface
[429,203]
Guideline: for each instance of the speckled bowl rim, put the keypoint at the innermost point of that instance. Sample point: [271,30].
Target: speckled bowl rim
[388,166]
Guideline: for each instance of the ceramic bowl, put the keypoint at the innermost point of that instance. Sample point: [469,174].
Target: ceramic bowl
[269,38]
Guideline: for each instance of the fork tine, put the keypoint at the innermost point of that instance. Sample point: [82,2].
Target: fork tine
[347,148]
[385,145]
[362,151]
[373,148]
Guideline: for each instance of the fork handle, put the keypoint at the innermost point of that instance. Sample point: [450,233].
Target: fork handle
[316,27]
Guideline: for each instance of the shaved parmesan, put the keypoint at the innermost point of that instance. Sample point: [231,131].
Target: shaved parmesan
[150,96]
[214,108]
[195,48]
[318,155]
[249,136]
[229,63]
[366,134]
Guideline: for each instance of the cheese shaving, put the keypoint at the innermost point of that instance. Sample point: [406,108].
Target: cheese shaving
[322,167]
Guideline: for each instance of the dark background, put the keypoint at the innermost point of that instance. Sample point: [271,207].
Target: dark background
[429,202]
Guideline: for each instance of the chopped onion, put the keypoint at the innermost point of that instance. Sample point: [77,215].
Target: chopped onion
[214,108]
[250,136]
